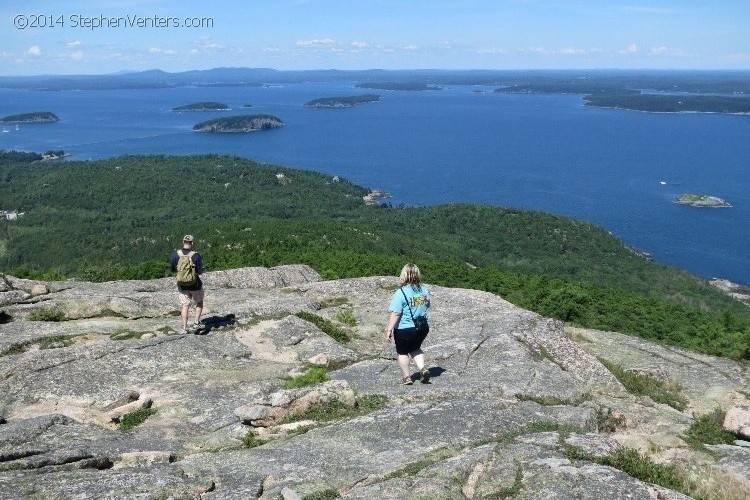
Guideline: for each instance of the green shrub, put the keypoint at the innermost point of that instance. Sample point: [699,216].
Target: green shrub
[644,385]
[346,317]
[325,326]
[46,315]
[642,467]
[57,341]
[251,440]
[313,375]
[328,494]
[334,410]
[135,418]
[708,429]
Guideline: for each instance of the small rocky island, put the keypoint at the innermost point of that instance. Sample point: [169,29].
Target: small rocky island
[236,124]
[203,106]
[342,102]
[35,117]
[701,201]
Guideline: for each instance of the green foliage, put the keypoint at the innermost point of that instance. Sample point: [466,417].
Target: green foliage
[239,123]
[642,467]
[313,375]
[46,315]
[135,418]
[18,156]
[708,429]
[333,302]
[325,326]
[558,267]
[328,494]
[606,421]
[342,102]
[202,106]
[335,410]
[554,400]
[56,341]
[515,488]
[126,335]
[251,440]
[346,317]
[642,384]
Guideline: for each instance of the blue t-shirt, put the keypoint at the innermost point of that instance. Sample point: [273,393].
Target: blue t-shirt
[419,301]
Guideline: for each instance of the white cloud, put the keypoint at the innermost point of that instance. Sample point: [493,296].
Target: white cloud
[73,43]
[572,51]
[317,43]
[630,49]
[77,55]
[360,45]
[34,51]
[533,50]
[157,50]
[492,51]
[411,47]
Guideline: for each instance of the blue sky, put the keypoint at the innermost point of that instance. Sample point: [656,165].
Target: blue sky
[42,37]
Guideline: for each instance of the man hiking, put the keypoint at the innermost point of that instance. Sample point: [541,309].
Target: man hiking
[188,265]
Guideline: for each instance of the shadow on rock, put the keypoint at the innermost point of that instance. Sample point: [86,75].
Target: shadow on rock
[213,322]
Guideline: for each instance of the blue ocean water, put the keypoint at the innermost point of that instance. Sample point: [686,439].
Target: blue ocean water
[541,152]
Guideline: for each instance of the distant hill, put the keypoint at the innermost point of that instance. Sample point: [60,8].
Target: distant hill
[203,106]
[35,117]
[241,123]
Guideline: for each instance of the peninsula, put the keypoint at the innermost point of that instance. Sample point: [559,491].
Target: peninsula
[701,201]
[342,102]
[242,123]
[35,117]
[203,106]
[413,86]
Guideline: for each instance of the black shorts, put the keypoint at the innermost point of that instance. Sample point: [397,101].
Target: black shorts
[408,340]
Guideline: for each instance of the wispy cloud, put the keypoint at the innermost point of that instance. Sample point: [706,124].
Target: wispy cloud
[317,43]
[630,49]
[34,51]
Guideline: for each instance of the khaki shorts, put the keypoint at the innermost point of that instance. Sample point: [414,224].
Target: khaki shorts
[187,295]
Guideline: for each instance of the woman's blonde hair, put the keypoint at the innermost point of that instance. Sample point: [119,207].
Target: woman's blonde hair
[410,274]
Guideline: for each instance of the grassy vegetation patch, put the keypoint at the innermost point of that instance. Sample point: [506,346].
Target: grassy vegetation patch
[135,418]
[333,302]
[313,375]
[57,341]
[17,349]
[708,429]
[414,468]
[46,315]
[554,400]
[513,489]
[346,317]
[126,334]
[641,384]
[325,326]
[251,440]
[608,421]
[335,410]
[327,494]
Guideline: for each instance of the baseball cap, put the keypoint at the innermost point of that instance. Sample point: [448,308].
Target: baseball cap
[188,237]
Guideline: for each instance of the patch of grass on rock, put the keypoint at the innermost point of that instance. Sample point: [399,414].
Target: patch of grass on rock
[313,375]
[135,418]
[335,410]
[251,440]
[126,334]
[325,326]
[57,341]
[333,302]
[641,384]
[346,317]
[46,315]
[328,494]
[708,429]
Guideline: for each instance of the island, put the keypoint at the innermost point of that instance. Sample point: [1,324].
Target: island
[203,106]
[670,103]
[342,102]
[35,117]
[242,123]
[247,105]
[413,86]
[701,201]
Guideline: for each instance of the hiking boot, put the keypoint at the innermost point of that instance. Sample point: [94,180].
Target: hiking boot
[407,381]
[184,331]
[424,376]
